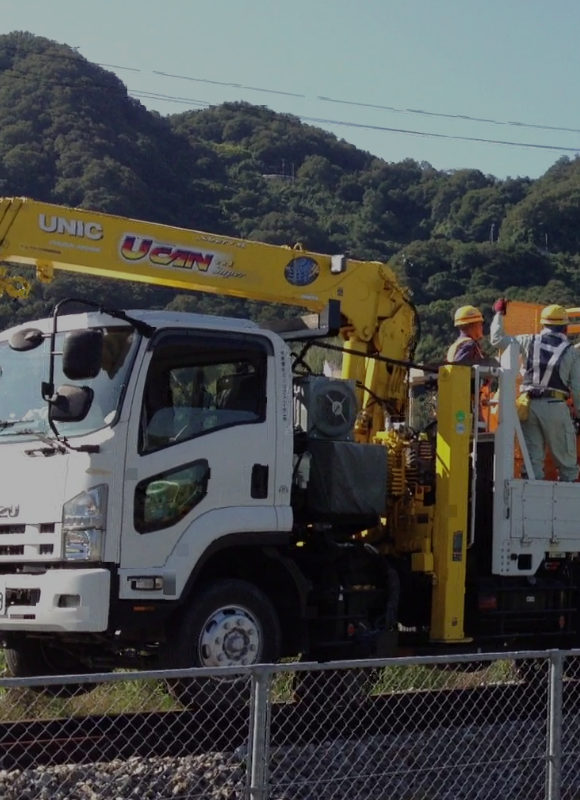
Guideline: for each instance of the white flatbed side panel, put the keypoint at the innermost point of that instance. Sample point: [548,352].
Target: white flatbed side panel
[543,519]
[546,510]
[567,514]
[530,507]
[531,518]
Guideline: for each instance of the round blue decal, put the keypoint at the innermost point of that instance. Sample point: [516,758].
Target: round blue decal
[301,271]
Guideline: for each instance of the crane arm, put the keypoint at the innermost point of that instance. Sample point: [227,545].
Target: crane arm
[376,309]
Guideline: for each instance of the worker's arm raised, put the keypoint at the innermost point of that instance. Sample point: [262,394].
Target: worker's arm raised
[500,339]
[497,335]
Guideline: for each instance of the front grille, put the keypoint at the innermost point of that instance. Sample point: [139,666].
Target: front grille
[22,597]
[18,549]
[30,542]
[11,550]
[44,527]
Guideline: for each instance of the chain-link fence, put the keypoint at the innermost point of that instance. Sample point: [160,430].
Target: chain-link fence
[504,726]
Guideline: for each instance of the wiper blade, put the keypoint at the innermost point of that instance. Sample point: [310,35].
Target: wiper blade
[54,445]
[8,423]
[30,432]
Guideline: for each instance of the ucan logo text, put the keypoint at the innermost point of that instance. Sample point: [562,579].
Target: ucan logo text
[70,227]
[134,249]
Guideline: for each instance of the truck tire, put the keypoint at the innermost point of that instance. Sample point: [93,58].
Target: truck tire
[227,623]
[30,658]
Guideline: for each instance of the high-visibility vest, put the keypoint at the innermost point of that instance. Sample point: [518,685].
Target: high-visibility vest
[543,361]
[462,340]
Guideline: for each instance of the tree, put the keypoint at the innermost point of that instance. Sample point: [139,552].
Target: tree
[70,134]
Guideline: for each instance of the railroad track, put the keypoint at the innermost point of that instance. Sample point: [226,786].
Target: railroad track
[88,739]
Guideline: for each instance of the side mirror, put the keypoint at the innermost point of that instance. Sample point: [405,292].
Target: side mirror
[26,339]
[72,403]
[82,354]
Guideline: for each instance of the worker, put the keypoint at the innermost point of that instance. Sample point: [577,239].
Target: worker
[466,351]
[466,348]
[551,374]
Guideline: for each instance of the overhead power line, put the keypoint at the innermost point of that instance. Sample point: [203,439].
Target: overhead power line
[443,135]
[156,96]
[324,99]
[66,57]
[94,86]
[115,66]
[232,85]
[403,131]
[149,95]
[460,117]
[391,109]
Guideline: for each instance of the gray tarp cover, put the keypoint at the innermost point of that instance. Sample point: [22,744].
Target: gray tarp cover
[347,478]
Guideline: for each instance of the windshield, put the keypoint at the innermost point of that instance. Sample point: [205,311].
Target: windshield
[23,412]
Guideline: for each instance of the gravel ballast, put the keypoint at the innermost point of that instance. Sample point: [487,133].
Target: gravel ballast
[470,762]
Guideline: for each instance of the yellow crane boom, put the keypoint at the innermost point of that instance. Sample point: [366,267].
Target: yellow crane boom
[378,315]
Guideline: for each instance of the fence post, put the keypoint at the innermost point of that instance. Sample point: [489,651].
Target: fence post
[555,691]
[259,734]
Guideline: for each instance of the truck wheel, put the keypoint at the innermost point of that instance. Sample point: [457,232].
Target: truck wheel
[31,658]
[227,623]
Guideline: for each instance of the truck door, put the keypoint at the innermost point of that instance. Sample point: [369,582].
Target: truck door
[200,450]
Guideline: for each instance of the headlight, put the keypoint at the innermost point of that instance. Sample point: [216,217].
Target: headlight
[84,525]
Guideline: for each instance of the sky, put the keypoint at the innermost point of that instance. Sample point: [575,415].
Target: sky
[504,61]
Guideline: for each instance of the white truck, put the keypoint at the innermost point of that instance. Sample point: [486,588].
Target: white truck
[178,490]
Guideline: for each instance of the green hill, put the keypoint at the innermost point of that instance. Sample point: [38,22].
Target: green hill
[70,134]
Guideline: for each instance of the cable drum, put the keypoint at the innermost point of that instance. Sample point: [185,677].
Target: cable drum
[327,408]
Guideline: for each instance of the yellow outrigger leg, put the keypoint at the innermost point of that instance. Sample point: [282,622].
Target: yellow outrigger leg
[454,421]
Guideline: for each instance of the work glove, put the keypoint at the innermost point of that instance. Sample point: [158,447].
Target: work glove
[500,306]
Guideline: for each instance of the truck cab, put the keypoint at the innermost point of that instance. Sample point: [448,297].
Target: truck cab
[161,473]
[186,444]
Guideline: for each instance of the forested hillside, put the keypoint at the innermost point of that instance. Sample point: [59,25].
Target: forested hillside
[70,134]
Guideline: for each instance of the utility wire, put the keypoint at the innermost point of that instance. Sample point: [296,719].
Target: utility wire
[144,94]
[114,66]
[232,85]
[155,96]
[443,135]
[323,98]
[461,117]
[403,131]
[94,86]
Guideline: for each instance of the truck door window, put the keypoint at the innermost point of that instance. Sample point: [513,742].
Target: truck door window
[164,499]
[191,391]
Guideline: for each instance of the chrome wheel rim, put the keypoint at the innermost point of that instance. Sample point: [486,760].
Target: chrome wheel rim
[231,636]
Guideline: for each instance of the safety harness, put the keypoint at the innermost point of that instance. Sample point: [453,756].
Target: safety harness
[541,376]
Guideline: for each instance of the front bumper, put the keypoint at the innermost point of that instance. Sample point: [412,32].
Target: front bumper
[31,602]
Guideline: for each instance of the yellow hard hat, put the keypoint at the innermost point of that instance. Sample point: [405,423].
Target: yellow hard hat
[466,315]
[554,315]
